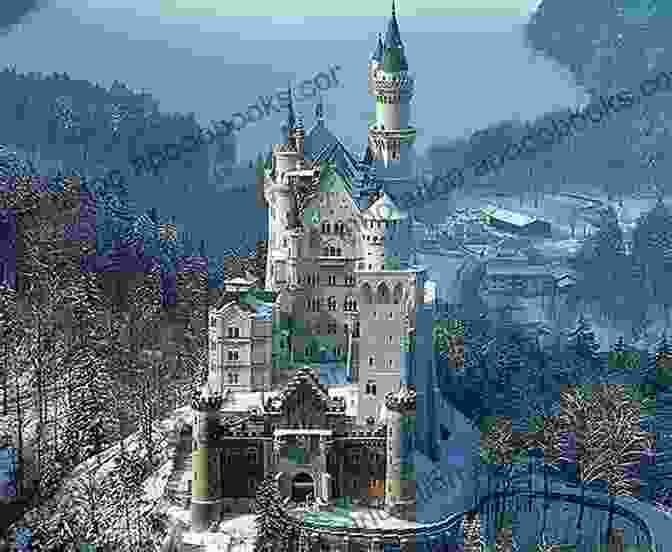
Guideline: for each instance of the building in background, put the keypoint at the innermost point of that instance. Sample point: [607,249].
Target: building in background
[510,221]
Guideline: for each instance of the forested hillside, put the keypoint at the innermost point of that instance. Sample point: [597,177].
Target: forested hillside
[76,127]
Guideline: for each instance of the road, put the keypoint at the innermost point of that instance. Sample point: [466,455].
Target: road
[660,523]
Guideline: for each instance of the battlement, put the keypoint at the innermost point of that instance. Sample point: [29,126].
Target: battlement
[284,148]
[379,432]
[385,83]
[402,400]
[228,432]
[204,404]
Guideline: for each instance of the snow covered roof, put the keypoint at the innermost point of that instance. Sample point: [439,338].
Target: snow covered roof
[495,268]
[385,209]
[511,217]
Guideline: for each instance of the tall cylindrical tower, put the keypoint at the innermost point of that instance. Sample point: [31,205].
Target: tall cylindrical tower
[391,136]
[374,241]
[280,213]
[400,485]
[383,238]
[206,488]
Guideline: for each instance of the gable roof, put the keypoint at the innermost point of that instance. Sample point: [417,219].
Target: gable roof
[318,138]
[346,165]
[305,376]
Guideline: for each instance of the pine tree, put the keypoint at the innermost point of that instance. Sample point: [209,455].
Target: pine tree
[509,361]
[582,350]
[263,509]
[653,236]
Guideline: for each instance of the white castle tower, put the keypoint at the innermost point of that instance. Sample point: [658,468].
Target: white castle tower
[391,136]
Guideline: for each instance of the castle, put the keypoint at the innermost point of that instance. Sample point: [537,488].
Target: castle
[339,254]
[326,377]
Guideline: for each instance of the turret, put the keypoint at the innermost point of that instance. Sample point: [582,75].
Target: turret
[206,489]
[391,136]
[385,238]
[281,221]
[299,138]
[400,487]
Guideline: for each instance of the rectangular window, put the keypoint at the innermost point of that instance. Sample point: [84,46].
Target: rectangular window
[252,455]
[372,361]
[251,485]
[213,322]
[234,332]
[233,354]
[371,388]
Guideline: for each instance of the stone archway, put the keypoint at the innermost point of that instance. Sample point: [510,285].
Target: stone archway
[302,486]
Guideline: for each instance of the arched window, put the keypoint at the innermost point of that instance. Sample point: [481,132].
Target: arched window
[339,252]
[332,251]
[332,303]
[366,294]
[397,294]
[382,294]
[356,331]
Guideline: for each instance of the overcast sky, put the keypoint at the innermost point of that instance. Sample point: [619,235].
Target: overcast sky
[470,61]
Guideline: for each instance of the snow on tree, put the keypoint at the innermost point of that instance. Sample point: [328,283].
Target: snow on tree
[653,236]
[582,349]
[598,432]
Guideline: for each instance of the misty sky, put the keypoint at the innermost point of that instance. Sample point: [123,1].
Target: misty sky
[472,66]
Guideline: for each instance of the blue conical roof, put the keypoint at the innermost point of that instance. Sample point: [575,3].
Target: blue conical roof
[403,62]
[392,36]
[378,52]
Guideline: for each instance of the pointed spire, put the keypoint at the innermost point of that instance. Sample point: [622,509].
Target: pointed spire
[291,119]
[392,36]
[377,55]
[319,111]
